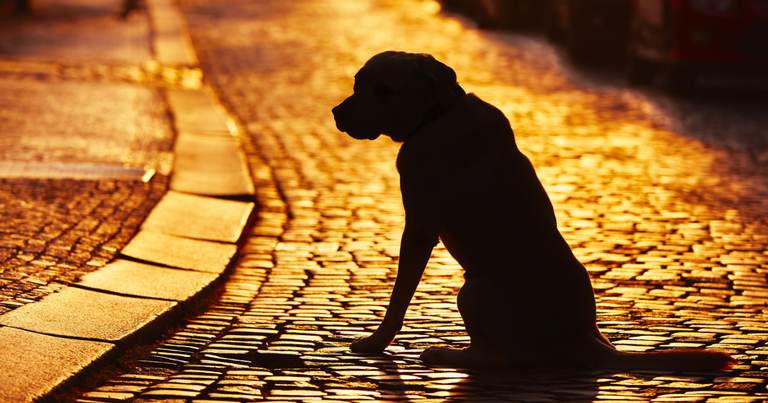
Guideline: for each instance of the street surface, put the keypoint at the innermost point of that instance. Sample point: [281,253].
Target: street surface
[673,232]
[79,128]
[76,58]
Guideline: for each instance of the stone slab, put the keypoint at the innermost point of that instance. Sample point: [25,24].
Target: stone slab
[32,365]
[182,253]
[199,217]
[210,165]
[86,314]
[170,39]
[194,111]
[53,170]
[144,280]
[86,122]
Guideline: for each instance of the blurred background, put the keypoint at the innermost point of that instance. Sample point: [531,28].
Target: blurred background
[672,41]
[704,63]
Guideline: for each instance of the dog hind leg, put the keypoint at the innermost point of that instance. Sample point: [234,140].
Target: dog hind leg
[492,329]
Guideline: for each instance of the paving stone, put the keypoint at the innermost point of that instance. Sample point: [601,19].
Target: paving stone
[86,314]
[101,395]
[143,280]
[196,113]
[33,364]
[171,44]
[183,253]
[169,394]
[296,393]
[210,165]
[198,217]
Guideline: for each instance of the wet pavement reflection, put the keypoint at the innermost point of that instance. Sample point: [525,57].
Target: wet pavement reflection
[672,232]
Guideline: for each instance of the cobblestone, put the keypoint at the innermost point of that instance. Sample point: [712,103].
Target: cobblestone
[54,231]
[672,232]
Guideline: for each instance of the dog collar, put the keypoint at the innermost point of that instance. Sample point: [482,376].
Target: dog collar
[436,111]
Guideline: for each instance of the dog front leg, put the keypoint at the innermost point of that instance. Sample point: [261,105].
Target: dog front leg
[414,255]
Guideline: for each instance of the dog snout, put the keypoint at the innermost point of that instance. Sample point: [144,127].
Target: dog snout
[339,116]
[348,120]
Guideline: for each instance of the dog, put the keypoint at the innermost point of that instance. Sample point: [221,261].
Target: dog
[526,299]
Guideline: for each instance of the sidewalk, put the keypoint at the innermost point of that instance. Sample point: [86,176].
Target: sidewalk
[124,192]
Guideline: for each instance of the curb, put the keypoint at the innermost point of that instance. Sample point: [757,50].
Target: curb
[182,252]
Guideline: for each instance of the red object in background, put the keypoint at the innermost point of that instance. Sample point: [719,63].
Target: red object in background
[684,37]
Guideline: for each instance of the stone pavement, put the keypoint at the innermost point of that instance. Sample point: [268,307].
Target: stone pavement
[111,229]
[77,134]
[673,233]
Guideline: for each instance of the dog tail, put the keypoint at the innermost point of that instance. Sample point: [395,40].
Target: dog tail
[672,360]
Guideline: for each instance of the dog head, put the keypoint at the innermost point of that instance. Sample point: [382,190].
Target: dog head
[392,94]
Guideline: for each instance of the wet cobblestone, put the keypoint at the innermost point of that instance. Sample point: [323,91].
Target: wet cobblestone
[673,233]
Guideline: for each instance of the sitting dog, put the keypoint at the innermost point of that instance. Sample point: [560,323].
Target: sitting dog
[526,300]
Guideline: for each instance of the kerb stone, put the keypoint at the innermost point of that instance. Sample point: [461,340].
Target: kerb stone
[195,112]
[86,314]
[210,165]
[182,253]
[199,217]
[144,280]
[32,364]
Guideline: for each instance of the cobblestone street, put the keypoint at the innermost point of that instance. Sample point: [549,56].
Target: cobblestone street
[673,232]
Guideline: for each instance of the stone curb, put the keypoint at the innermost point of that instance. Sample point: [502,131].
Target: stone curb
[182,252]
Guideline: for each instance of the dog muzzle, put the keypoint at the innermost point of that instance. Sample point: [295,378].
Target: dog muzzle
[338,116]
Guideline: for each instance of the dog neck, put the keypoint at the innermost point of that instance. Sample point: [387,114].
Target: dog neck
[436,112]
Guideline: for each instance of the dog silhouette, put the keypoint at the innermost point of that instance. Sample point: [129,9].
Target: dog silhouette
[526,300]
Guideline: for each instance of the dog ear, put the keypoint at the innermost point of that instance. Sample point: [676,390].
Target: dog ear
[442,77]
